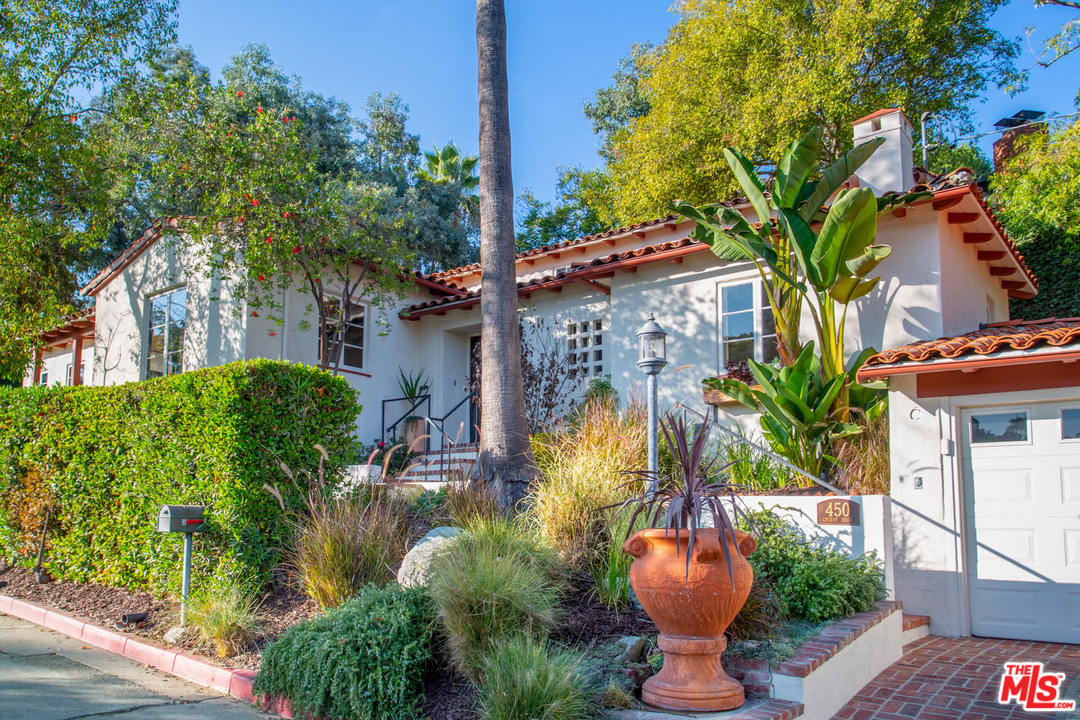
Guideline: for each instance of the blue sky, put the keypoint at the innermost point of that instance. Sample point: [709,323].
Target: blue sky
[559,53]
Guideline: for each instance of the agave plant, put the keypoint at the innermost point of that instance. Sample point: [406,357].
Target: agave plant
[698,486]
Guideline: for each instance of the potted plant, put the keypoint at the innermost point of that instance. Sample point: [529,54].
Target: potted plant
[413,386]
[692,580]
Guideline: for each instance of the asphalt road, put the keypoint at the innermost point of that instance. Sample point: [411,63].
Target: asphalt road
[48,676]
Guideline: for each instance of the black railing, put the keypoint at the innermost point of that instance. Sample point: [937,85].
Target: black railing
[391,429]
[446,443]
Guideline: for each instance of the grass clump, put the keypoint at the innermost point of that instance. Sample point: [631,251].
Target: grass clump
[363,660]
[611,569]
[526,679]
[225,618]
[585,468]
[468,500]
[494,582]
[347,543]
[862,460]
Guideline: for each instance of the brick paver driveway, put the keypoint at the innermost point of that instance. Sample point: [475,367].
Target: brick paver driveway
[958,679]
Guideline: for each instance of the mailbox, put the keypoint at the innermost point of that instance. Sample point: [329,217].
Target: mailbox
[181,518]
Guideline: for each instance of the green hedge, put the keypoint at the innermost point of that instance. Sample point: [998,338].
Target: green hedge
[105,459]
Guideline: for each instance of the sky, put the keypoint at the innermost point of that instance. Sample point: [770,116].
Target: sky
[559,53]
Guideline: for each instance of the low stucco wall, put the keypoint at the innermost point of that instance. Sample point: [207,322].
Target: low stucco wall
[872,534]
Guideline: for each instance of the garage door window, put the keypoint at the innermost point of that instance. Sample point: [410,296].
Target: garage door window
[1070,424]
[1011,427]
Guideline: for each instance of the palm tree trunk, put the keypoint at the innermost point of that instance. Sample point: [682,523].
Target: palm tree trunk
[506,459]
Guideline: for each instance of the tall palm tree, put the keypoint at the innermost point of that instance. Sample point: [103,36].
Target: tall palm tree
[506,460]
[448,165]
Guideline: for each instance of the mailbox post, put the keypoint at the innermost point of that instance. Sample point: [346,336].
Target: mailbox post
[186,519]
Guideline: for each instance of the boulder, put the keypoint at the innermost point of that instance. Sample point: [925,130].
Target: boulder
[417,563]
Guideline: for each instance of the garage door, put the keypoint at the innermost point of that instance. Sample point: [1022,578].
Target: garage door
[1022,498]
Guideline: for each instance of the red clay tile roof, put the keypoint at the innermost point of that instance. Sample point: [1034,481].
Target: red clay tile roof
[565,244]
[879,113]
[579,271]
[992,338]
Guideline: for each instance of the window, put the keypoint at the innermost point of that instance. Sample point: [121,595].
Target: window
[353,342]
[1070,424]
[747,328]
[168,314]
[999,428]
[585,341]
[82,373]
[44,379]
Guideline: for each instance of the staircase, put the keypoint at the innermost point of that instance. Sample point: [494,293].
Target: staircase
[432,469]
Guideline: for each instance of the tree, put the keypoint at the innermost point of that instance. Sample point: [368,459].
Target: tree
[451,177]
[946,158]
[269,215]
[1063,42]
[576,212]
[1037,196]
[506,460]
[615,106]
[57,170]
[747,73]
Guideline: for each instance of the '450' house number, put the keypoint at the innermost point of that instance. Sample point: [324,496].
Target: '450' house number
[838,511]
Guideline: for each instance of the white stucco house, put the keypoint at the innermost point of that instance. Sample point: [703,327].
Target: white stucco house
[951,272]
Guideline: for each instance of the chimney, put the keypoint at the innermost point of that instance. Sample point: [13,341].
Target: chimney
[892,166]
[1022,123]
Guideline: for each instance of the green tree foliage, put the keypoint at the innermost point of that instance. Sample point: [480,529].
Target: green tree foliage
[1037,194]
[578,210]
[946,158]
[56,167]
[615,106]
[748,73]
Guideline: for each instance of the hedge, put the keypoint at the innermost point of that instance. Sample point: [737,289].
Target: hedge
[102,460]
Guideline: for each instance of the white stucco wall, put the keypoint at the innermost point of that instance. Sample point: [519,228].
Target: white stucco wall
[969,295]
[214,328]
[55,363]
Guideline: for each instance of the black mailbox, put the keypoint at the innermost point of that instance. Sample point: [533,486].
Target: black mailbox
[181,518]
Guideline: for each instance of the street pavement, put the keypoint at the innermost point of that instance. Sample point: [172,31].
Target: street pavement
[48,676]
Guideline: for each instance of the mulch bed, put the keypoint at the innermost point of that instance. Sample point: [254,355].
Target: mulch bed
[104,606]
[585,622]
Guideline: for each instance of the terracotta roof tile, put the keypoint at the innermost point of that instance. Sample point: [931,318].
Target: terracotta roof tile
[472,297]
[993,338]
[565,244]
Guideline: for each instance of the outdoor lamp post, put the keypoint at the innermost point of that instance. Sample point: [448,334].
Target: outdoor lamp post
[652,357]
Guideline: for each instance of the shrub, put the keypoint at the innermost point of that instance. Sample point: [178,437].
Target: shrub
[763,612]
[755,470]
[225,618]
[584,468]
[494,582]
[347,543]
[113,455]
[524,678]
[362,660]
[814,582]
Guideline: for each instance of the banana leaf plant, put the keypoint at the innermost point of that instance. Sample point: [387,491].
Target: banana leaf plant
[796,405]
[804,250]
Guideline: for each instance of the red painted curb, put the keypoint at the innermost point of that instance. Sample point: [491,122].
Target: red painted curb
[234,682]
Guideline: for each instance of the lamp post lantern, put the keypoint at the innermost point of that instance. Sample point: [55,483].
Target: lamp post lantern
[652,357]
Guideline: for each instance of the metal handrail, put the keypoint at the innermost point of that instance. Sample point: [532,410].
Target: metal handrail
[391,428]
[764,451]
[445,443]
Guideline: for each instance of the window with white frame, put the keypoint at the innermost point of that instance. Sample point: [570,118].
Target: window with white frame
[44,379]
[747,329]
[165,339]
[82,373]
[353,339]
[585,342]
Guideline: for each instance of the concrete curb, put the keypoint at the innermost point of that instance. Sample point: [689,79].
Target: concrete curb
[231,681]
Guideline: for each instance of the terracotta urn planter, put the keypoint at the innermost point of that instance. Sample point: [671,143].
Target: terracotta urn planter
[692,612]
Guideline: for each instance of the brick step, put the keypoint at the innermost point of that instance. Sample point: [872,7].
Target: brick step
[915,627]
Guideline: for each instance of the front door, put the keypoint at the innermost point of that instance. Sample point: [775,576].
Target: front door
[474,383]
[1022,519]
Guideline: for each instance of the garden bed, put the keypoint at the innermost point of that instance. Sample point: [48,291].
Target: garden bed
[104,606]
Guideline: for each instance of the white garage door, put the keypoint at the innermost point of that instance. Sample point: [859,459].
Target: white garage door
[1022,470]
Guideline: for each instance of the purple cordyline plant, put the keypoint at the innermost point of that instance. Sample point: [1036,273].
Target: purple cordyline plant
[700,484]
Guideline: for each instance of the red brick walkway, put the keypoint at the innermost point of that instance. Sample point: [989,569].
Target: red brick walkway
[958,679]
